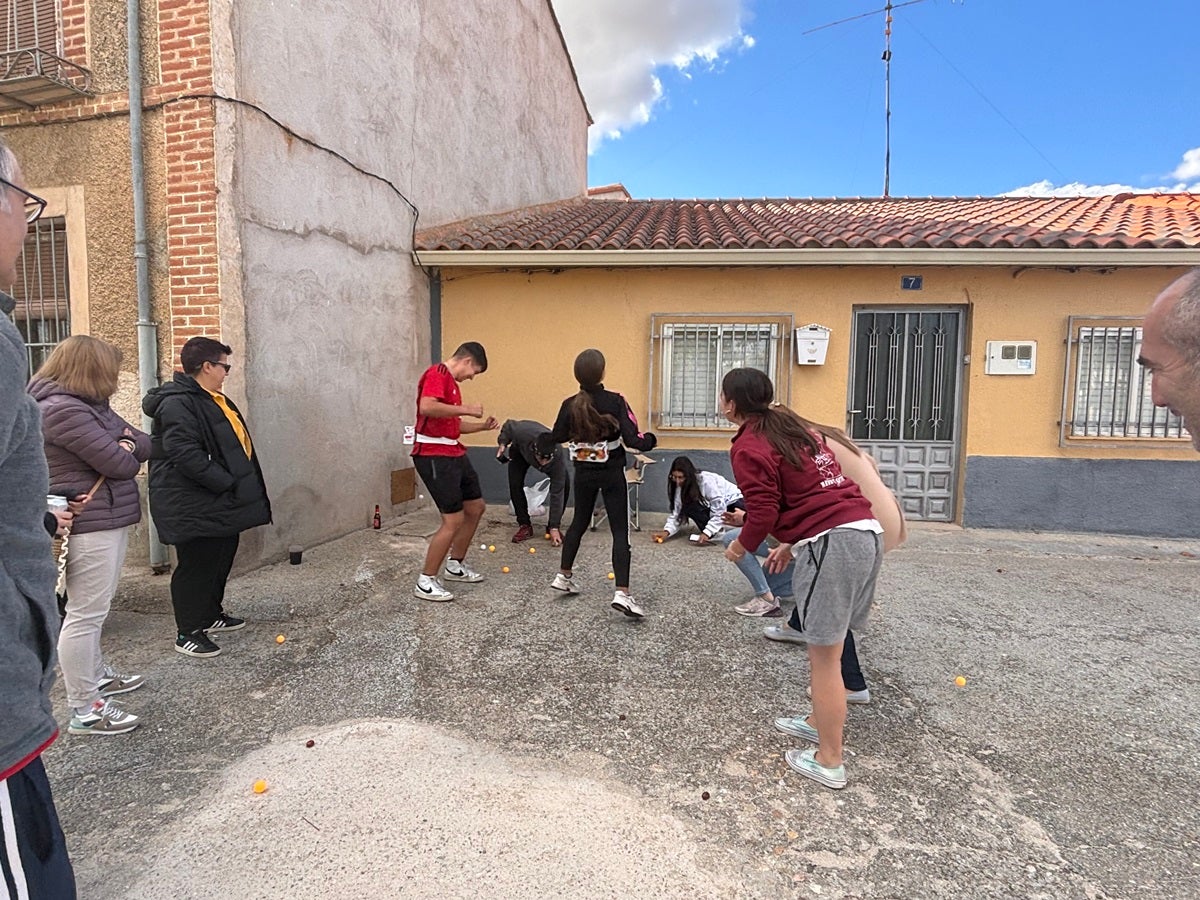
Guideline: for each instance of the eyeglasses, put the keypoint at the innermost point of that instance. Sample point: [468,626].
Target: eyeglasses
[34,205]
[225,366]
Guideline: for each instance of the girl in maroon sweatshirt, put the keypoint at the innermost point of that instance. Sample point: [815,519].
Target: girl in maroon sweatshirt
[794,489]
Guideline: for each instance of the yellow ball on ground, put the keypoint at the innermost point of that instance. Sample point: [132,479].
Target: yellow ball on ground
[260,786]
[279,639]
[547,535]
[492,548]
[960,681]
[611,576]
[533,549]
[504,570]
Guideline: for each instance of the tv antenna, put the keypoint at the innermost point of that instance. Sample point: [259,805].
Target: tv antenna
[887,76]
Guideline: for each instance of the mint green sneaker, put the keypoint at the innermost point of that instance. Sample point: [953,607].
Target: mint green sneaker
[805,762]
[797,726]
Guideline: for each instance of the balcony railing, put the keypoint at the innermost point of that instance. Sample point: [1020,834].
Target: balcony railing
[33,77]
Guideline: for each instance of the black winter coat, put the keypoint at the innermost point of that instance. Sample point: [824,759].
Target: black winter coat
[201,482]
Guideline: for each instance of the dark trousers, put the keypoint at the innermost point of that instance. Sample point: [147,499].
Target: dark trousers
[518,468]
[610,484]
[41,868]
[852,674]
[198,584]
[698,512]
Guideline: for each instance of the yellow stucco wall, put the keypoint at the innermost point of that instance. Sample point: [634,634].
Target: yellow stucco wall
[534,323]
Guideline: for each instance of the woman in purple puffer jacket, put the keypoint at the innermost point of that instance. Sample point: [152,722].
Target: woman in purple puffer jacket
[85,440]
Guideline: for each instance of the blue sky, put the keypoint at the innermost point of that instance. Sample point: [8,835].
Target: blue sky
[730,98]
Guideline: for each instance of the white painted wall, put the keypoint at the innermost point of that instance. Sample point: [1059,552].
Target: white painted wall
[466,111]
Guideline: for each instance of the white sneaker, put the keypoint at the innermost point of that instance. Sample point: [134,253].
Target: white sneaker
[460,571]
[428,588]
[564,583]
[784,633]
[623,603]
[854,698]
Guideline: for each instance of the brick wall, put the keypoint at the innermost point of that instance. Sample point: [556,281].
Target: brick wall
[185,68]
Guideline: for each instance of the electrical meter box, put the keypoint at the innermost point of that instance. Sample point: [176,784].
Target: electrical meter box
[1011,358]
[811,343]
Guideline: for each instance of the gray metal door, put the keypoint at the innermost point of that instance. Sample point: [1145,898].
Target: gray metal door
[906,376]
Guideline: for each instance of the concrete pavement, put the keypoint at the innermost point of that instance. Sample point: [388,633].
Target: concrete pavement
[517,743]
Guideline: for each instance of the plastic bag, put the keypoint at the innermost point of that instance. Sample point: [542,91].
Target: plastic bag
[536,498]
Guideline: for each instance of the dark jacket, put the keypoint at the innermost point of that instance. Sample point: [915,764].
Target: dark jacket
[201,482]
[627,427]
[519,435]
[28,618]
[81,445]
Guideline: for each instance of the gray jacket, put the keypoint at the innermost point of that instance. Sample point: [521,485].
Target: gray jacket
[518,435]
[28,617]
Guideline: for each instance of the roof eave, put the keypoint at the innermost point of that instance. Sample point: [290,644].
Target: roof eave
[890,256]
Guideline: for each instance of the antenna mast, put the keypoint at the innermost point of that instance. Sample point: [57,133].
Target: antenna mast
[887,78]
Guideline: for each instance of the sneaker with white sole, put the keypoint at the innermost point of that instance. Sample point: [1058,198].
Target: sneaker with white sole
[797,726]
[805,762]
[225,622]
[113,682]
[623,603]
[853,698]
[784,633]
[456,570]
[428,588]
[196,644]
[105,717]
[564,583]
[759,607]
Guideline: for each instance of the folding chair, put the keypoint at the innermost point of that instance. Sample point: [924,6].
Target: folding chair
[635,477]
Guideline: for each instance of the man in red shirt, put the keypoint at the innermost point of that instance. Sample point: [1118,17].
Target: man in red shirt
[442,463]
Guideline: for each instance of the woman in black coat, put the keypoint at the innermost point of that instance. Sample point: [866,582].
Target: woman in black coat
[206,487]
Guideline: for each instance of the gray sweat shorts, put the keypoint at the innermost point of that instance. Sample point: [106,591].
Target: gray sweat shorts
[834,584]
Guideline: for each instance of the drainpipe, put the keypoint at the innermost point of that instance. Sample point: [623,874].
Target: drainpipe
[435,315]
[147,331]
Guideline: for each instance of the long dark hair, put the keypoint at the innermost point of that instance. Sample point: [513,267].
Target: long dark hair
[690,486]
[752,395]
[588,424]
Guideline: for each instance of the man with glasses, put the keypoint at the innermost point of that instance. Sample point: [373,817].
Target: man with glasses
[33,852]
[206,488]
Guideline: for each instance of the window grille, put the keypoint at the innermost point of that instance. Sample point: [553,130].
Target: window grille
[42,291]
[1109,390]
[32,24]
[693,357]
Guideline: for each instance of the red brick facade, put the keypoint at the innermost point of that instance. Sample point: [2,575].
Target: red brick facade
[185,68]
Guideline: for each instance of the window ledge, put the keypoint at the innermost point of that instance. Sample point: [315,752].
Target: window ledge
[34,77]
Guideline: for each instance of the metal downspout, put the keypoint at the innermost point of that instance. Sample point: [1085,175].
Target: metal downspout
[147,331]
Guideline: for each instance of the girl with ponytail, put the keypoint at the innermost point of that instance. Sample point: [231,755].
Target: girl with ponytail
[597,425]
[794,489]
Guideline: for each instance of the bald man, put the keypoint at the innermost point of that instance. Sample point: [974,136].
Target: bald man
[1171,350]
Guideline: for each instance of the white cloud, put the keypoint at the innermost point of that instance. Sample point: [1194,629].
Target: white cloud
[1189,168]
[617,45]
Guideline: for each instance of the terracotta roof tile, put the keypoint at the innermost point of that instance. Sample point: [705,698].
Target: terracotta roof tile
[1114,222]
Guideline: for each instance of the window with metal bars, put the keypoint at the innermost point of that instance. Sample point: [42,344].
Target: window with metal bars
[1109,391]
[693,357]
[42,290]
[32,24]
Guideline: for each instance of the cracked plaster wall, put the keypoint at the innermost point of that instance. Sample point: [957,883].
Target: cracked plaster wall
[465,113]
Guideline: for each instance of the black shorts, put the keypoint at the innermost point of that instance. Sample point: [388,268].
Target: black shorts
[450,480]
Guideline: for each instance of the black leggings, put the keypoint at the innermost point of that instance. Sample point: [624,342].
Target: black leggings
[609,482]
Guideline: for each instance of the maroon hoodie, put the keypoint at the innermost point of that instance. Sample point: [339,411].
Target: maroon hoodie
[788,502]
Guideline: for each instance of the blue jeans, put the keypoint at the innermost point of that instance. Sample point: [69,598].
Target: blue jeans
[761,581]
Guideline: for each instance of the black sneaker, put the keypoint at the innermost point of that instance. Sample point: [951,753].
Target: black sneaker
[196,644]
[225,623]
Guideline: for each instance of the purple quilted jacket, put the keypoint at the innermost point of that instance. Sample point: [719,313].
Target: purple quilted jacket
[81,445]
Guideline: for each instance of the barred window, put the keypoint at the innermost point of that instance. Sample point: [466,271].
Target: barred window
[1110,391]
[30,24]
[42,290]
[693,357]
